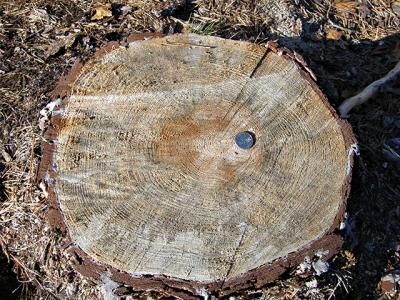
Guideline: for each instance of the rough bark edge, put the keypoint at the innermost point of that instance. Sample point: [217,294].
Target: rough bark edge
[187,289]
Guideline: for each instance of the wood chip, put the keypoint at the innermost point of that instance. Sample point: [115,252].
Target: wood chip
[334,34]
[101,12]
[346,6]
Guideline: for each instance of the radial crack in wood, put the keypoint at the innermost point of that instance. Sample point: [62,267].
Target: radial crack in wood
[146,176]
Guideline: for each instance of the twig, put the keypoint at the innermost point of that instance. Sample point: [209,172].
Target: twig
[369,91]
[340,27]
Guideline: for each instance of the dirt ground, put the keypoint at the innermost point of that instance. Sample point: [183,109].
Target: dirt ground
[347,44]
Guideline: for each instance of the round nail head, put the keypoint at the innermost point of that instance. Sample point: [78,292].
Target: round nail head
[245,139]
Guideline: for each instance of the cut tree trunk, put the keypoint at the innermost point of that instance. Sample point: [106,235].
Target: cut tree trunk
[195,164]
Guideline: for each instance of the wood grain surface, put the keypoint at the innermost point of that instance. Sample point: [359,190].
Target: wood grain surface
[151,181]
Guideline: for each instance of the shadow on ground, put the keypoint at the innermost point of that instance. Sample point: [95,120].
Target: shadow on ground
[8,281]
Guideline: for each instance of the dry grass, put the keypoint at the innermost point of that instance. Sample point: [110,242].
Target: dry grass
[242,19]
[39,41]
[369,19]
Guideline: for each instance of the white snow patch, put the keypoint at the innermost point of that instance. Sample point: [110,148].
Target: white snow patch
[304,266]
[321,253]
[312,284]
[203,293]
[320,267]
[354,149]
[108,286]
[343,224]
[46,112]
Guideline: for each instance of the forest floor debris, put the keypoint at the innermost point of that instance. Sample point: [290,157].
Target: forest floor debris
[347,44]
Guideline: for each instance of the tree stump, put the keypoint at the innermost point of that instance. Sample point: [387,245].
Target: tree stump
[195,164]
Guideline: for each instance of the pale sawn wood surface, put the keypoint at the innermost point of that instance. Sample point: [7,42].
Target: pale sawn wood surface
[150,180]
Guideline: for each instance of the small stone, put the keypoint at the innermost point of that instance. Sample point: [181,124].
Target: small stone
[387,121]
[389,281]
[320,267]
[387,286]
[312,284]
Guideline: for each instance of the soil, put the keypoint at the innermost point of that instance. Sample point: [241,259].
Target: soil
[347,44]
[8,280]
